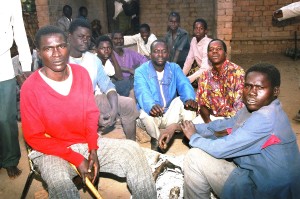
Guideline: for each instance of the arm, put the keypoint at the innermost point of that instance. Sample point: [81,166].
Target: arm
[205,114]
[21,38]
[180,45]
[131,39]
[176,55]
[288,11]
[103,81]
[118,72]
[189,60]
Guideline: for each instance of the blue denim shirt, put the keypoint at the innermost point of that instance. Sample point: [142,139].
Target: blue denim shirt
[271,172]
[147,88]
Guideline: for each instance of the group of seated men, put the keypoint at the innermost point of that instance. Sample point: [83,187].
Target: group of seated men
[252,152]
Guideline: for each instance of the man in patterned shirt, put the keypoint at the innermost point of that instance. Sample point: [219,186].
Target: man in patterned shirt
[219,91]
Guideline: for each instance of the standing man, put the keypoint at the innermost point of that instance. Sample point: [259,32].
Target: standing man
[259,158]
[197,61]
[12,29]
[143,40]
[219,93]
[64,22]
[156,85]
[108,101]
[177,39]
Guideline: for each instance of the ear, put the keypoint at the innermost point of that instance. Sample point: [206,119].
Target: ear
[276,91]
[38,52]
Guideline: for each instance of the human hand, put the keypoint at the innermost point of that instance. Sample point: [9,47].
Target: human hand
[164,139]
[188,128]
[191,105]
[157,111]
[94,164]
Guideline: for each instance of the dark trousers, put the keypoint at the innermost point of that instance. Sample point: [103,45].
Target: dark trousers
[9,143]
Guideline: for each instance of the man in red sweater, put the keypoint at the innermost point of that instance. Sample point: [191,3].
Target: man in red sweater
[59,121]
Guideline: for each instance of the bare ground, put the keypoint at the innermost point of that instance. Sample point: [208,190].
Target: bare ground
[113,189]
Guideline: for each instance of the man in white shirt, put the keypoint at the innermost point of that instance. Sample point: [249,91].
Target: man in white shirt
[143,40]
[11,29]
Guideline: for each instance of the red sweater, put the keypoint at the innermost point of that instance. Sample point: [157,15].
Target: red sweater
[67,119]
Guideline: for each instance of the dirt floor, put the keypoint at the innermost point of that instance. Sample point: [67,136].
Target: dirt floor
[113,189]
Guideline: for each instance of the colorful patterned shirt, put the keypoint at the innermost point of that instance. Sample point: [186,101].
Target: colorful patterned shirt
[222,94]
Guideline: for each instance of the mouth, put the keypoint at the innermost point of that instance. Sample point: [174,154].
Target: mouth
[251,101]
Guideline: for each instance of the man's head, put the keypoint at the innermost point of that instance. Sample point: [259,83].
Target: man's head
[117,38]
[104,48]
[200,28]
[52,48]
[79,35]
[67,11]
[216,52]
[145,32]
[262,83]
[159,54]
[83,12]
[173,21]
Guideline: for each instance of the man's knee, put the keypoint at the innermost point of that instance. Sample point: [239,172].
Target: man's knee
[127,108]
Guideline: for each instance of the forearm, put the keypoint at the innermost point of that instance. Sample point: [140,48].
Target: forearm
[205,114]
[112,97]
[176,56]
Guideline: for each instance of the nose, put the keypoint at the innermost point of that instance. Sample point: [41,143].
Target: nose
[253,90]
[56,52]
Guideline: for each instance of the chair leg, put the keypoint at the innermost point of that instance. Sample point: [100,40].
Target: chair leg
[27,184]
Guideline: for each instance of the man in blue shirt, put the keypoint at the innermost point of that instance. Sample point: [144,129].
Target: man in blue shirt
[156,85]
[259,158]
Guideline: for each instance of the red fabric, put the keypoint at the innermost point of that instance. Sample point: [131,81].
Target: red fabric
[272,140]
[67,119]
[229,131]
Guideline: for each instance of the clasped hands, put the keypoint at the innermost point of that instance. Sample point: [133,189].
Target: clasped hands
[89,168]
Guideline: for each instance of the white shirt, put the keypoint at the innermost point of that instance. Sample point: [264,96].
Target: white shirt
[12,28]
[109,68]
[160,76]
[142,48]
[289,11]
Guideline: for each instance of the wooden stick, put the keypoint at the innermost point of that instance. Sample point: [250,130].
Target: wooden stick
[89,185]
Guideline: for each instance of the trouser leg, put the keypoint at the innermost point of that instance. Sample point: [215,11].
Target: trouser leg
[128,113]
[9,144]
[203,173]
[125,158]
[58,175]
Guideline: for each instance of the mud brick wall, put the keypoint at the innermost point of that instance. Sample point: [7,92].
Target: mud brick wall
[253,30]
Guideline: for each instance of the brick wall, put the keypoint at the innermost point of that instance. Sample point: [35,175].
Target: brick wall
[253,30]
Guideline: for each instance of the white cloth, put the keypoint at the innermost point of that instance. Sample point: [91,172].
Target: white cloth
[289,11]
[12,28]
[142,48]
[109,68]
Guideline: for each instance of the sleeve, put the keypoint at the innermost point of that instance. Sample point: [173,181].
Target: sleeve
[21,38]
[142,91]
[184,87]
[237,92]
[189,60]
[92,115]
[139,59]
[61,25]
[246,140]
[103,81]
[131,39]
[34,130]
[289,11]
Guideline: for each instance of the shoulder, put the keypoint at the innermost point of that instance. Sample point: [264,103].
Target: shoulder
[182,31]
[235,68]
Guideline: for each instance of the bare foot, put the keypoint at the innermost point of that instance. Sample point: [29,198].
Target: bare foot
[13,171]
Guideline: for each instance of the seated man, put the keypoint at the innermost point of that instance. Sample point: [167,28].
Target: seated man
[197,61]
[59,121]
[144,39]
[108,101]
[258,159]
[219,91]
[128,61]
[156,85]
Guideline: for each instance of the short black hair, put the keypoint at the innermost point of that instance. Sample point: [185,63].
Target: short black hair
[270,70]
[158,41]
[222,42]
[146,26]
[116,32]
[175,14]
[199,20]
[47,30]
[82,9]
[103,38]
[66,8]
[79,23]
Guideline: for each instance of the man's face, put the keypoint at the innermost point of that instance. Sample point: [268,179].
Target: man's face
[54,52]
[199,30]
[258,91]
[104,50]
[68,12]
[144,34]
[216,53]
[80,39]
[159,54]
[173,23]
[118,39]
